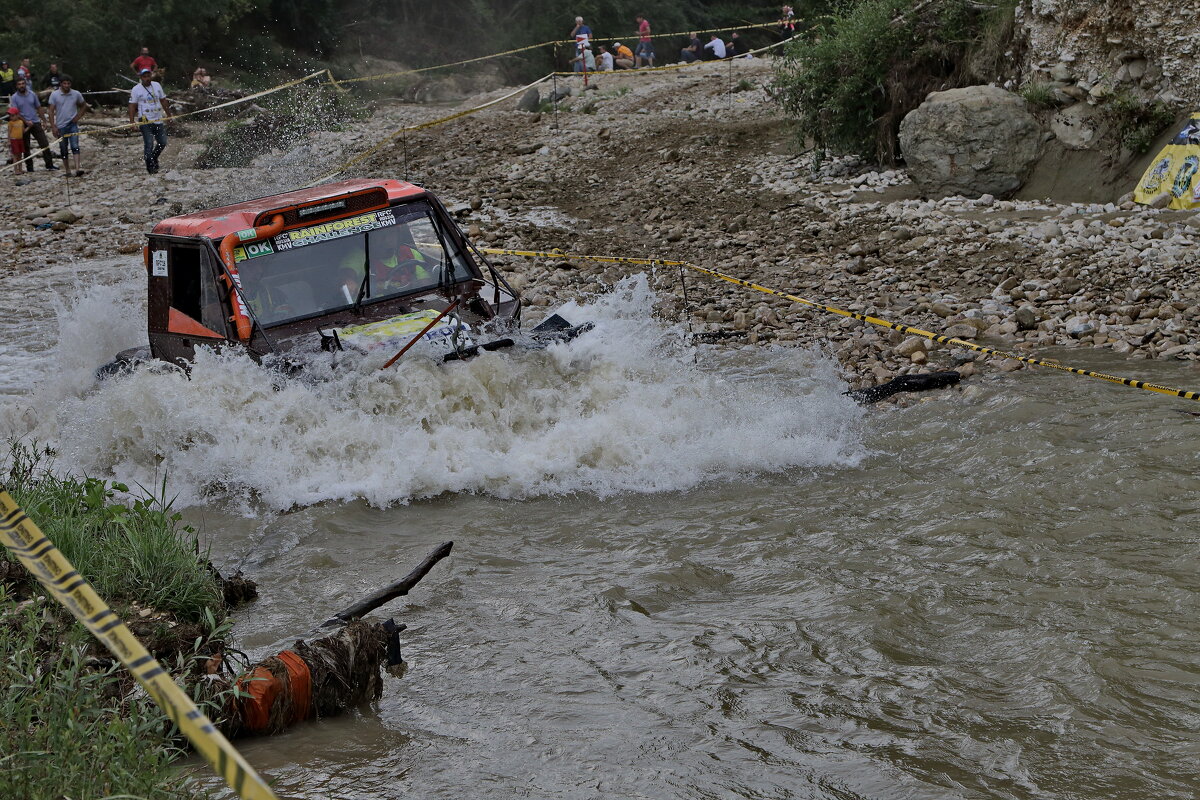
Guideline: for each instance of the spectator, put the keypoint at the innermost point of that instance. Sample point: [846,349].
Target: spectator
[622,56]
[201,79]
[8,79]
[715,48]
[692,52]
[32,112]
[24,70]
[66,107]
[644,54]
[604,61]
[585,61]
[146,61]
[736,47]
[787,22]
[16,140]
[49,83]
[148,107]
[580,31]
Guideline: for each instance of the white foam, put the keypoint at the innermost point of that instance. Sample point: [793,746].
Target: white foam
[624,408]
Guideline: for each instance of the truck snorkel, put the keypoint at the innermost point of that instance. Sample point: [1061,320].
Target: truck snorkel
[241,314]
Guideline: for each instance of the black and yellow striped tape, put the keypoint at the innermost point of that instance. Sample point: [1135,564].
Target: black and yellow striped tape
[896,326]
[39,555]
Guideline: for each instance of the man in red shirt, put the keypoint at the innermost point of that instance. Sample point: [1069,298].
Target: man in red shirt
[145,61]
[645,48]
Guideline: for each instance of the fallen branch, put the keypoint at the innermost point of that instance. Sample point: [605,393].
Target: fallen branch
[397,589]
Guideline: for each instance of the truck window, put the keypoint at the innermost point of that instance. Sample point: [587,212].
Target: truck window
[185,280]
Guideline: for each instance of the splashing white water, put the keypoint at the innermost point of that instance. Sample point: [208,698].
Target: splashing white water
[622,408]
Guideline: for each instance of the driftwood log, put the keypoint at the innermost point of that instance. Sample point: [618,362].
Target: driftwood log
[315,677]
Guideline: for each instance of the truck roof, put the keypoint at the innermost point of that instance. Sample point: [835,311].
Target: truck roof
[215,223]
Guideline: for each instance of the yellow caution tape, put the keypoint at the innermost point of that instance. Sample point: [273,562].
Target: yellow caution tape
[936,337]
[39,555]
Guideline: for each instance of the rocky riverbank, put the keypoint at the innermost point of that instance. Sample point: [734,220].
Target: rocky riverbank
[698,165]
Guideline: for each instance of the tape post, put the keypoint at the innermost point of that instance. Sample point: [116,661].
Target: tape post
[52,569]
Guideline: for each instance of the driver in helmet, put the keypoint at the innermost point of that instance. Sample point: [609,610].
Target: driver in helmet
[396,264]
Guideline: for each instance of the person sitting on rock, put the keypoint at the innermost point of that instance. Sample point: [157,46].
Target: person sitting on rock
[584,62]
[715,49]
[691,53]
[604,61]
[622,56]
[201,79]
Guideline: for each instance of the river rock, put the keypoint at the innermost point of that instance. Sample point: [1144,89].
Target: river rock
[911,345]
[1025,318]
[962,331]
[530,101]
[65,215]
[972,141]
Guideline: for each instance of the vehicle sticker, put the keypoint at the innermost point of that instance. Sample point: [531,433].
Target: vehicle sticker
[246,234]
[252,250]
[158,264]
[396,331]
[328,231]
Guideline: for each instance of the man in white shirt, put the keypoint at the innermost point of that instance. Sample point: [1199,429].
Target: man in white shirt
[148,107]
[715,48]
[604,61]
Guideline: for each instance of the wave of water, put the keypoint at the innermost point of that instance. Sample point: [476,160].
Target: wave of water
[625,408]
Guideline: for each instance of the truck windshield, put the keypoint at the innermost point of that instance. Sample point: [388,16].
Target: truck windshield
[382,254]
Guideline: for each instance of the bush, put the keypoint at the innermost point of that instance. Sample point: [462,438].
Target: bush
[848,81]
[1137,122]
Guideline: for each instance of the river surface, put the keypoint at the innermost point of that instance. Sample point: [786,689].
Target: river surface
[677,572]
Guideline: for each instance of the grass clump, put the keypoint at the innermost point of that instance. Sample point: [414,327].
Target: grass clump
[1039,95]
[72,723]
[1137,122]
[850,79]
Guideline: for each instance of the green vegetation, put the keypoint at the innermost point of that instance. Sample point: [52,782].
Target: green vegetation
[1039,95]
[849,77]
[1138,122]
[70,723]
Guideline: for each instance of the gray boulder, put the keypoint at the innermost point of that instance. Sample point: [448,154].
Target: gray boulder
[530,100]
[972,141]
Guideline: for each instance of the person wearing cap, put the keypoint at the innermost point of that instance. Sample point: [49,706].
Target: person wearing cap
[66,107]
[584,61]
[622,56]
[7,79]
[148,108]
[26,101]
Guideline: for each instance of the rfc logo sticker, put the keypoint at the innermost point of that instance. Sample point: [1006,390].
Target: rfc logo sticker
[335,230]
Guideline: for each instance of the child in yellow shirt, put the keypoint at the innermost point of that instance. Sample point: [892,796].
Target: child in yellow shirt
[16,139]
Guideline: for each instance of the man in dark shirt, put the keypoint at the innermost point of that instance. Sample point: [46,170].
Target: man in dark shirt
[50,82]
[693,51]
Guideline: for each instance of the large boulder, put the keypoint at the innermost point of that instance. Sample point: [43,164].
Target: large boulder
[973,141]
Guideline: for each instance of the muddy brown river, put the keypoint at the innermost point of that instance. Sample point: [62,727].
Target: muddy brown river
[687,573]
